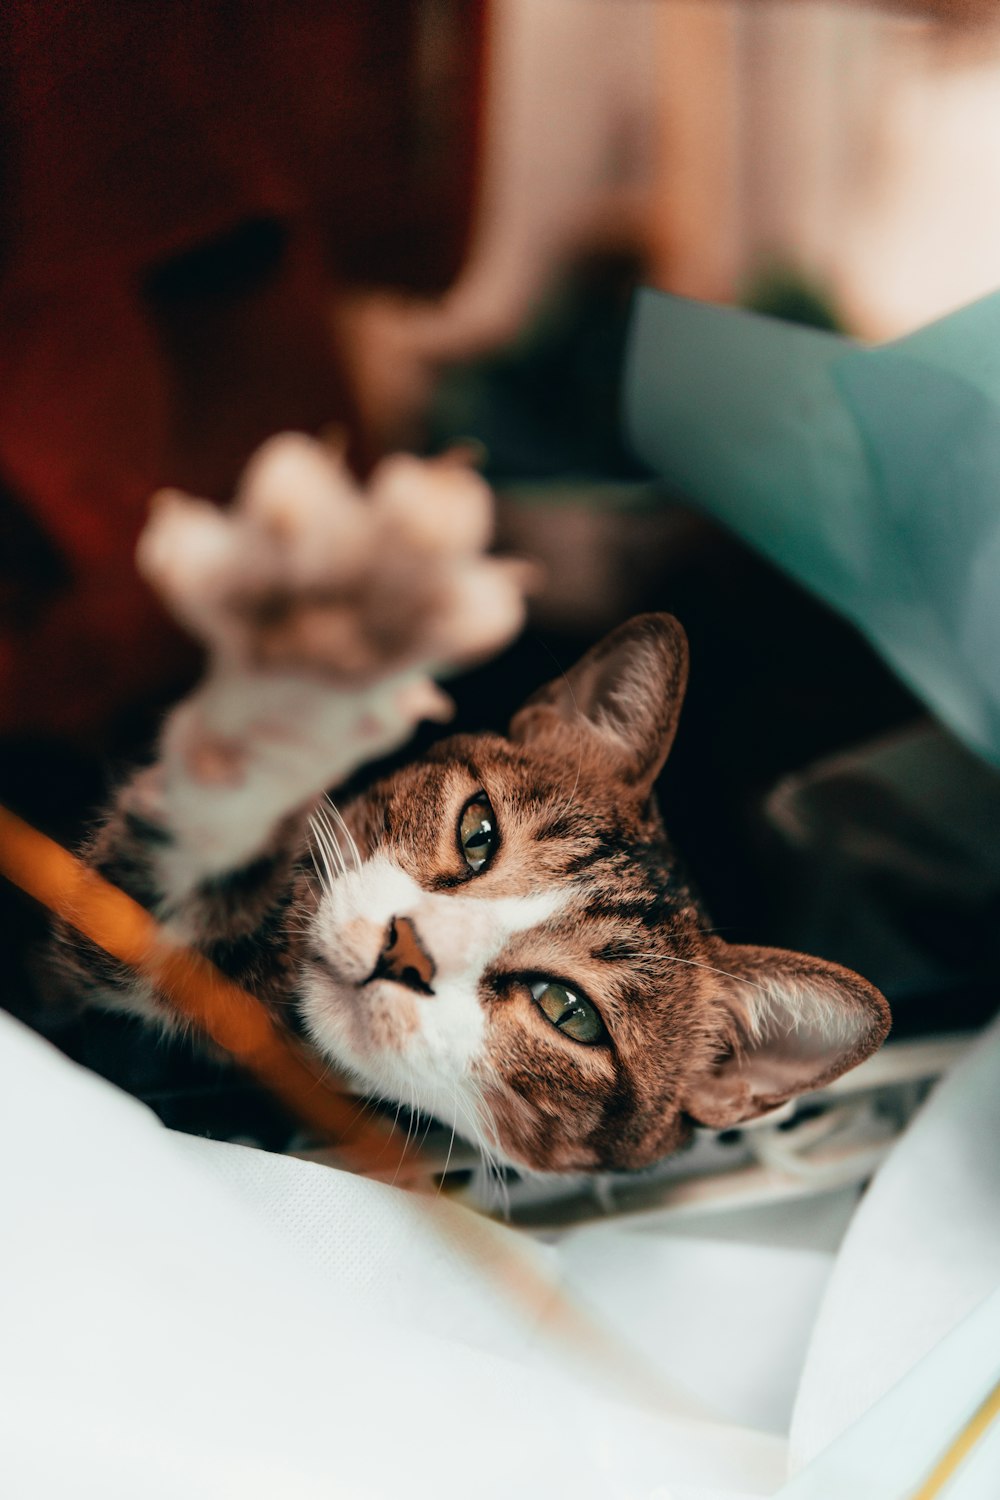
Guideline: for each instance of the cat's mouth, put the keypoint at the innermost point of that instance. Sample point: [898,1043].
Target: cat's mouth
[408,978]
[381,975]
[360,1020]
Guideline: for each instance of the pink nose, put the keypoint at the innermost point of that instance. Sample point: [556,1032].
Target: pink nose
[404,959]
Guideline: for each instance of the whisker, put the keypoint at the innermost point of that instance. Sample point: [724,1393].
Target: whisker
[355,854]
[451,1147]
[337,855]
[333,857]
[651,957]
[320,873]
[411,1107]
[581,732]
[318,844]
[694,964]
[427,1130]
[331,842]
[487,1170]
[492,1167]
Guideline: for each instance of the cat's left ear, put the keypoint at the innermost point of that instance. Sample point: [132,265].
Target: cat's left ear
[790,1024]
[627,691]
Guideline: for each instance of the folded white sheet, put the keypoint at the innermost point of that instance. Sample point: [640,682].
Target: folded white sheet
[184,1318]
[922,1252]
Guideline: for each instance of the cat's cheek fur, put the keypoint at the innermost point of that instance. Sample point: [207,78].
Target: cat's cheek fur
[540,1137]
[555,1105]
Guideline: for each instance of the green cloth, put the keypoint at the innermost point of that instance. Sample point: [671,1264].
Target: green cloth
[870,475]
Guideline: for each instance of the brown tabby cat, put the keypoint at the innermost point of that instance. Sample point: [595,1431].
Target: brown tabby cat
[500,934]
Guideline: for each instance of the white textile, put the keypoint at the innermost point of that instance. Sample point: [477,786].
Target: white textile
[183,1318]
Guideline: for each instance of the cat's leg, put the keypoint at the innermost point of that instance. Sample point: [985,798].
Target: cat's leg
[325,611]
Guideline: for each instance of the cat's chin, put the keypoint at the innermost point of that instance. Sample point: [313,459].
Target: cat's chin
[356,1023]
[373,1031]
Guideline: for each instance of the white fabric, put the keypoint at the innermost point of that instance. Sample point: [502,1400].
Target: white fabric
[728,1321]
[165,1334]
[922,1252]
[724,1322]
[182,1318]
[896,1445]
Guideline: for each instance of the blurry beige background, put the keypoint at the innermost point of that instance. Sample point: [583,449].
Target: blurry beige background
[856,145]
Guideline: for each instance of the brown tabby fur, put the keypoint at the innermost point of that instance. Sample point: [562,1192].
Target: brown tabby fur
[698,1030]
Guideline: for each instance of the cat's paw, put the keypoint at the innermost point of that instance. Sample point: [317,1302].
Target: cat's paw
[309,574]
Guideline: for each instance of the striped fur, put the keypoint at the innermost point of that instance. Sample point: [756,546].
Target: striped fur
[371,934]
[604,906]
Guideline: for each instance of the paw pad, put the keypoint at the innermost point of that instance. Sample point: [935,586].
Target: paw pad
[310,573]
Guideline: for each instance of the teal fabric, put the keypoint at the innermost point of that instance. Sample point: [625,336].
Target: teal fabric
[870,475]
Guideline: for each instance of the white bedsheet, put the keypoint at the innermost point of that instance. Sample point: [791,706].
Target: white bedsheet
[183,1318]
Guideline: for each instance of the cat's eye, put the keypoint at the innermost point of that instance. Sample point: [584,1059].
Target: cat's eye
[477,832]
[574,1014]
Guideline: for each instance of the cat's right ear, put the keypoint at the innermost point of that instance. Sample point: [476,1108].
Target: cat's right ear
[627,691]
[789,1024]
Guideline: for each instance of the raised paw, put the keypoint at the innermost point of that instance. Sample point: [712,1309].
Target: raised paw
[309,574]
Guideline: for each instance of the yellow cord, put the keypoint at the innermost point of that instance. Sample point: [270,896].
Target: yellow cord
[974,1429]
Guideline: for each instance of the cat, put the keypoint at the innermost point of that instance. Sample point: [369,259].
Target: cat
[499,934]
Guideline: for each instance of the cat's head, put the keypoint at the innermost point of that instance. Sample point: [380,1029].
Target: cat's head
[520,954]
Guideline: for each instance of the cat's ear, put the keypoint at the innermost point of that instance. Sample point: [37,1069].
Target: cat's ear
[627,690]
[791,1024]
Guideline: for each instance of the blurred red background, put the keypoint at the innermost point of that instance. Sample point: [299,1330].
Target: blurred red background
[186,190]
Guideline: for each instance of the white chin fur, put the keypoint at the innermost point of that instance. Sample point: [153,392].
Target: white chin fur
[421,1050]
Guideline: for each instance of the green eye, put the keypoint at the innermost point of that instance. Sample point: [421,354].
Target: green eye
[572,1013]
[477,832]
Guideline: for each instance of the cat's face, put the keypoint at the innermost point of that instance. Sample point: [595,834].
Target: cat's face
[518,952]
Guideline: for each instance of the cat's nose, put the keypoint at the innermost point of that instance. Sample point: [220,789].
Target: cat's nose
[404,958]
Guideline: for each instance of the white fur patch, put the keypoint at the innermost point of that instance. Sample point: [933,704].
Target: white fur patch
[291,738]
[429,1062]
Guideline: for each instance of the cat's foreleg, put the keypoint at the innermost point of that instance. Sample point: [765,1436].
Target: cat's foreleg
[325,611]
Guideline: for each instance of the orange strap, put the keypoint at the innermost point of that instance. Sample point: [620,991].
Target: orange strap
[232,1018]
